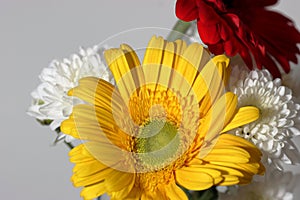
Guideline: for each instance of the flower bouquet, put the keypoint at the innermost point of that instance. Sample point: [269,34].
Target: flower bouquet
[186,117]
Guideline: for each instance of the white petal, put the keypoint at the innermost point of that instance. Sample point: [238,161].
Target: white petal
[280,115]
[58,78]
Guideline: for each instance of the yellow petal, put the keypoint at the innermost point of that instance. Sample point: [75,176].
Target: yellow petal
[120,63]
[247,167]
[134,194]
[189,65]
[88,168]
[67,127]
[219,115]
[223,110]
[174,192]
[135,69]
[209,83]
[212,77]
[88,123]
[232,140]
[128,192]
[79,154]
[229,180]
[130,55]
[147,195]
[168,54]
[92,178]
[109,154]
[155,51]
[118,181]
[222,63]
[93,191]
[180,47]
[236,158]
[224,170]
[192,61]
[101,94]
[244,116]
[214,173]
[159,60]
[94,91]
[193,178]
[233,154]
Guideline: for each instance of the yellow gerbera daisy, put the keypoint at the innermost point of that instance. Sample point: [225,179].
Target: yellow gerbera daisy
[161,127]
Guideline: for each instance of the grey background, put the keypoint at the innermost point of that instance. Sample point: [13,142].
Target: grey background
[32,33]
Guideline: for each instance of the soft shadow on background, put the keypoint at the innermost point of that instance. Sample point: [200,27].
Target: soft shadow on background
[34,32]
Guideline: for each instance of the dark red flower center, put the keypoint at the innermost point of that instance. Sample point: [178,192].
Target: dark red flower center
[228,4]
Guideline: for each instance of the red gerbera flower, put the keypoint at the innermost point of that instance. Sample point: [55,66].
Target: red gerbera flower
[245,27]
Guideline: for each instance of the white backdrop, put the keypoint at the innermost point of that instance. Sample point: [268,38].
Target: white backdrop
[32,33]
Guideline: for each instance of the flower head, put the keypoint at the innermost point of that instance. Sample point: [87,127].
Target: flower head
[245,27]
[50,99]
[279,118]
[160,126]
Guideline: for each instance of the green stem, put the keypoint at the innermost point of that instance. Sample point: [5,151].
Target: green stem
[47,122]
[66,143]
[69,145]
[209,194]
[179,29]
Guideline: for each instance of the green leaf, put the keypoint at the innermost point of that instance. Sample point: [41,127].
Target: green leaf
[209,194]
[45,122]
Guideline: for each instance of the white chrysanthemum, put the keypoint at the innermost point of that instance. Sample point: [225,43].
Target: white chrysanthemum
[279,117]
[275,185]
[50,99]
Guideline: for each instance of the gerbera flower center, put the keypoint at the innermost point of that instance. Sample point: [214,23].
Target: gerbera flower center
[157,143]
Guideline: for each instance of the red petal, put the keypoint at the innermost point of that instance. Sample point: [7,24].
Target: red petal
[186,10]
[245,27]
[272,67]
[247,58]
[209,34]
[207,14]
[216,49]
